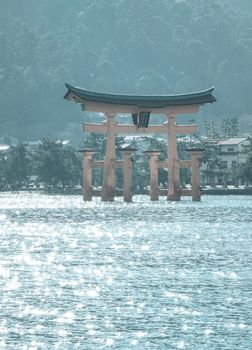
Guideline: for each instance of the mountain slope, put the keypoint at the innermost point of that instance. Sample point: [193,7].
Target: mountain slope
[124,46]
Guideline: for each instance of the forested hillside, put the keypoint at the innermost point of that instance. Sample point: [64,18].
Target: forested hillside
[122,46]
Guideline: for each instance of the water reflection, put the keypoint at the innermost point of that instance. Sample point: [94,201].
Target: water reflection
[115,276]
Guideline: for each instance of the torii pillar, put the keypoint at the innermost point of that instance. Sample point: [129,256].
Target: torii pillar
[127,167]
[173,162]
[87,174]
[153,162]
[196,154]
[108,184]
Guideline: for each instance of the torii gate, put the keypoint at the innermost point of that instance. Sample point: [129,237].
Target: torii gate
[140,107]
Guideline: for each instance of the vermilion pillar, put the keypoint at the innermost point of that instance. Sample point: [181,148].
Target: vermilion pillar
[87,174]
[153,162]
[108,184]
[196,156]
[127,168]
[173,169]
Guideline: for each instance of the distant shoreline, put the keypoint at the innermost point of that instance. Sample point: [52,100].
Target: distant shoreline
[78,191]
[227,191]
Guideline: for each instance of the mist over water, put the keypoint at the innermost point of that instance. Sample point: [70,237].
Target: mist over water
[93,276]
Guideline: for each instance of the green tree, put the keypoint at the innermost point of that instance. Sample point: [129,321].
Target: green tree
[3,183]
[246,168]
[235,174]
[225,127]
[230,127]
[57,165]
[210,157]
[246,171]
[17,167]
[234,127]
[211,129]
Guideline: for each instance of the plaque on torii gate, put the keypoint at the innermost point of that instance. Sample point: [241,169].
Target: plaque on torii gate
[141,108]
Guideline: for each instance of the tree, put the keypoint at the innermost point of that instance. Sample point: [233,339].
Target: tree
[234,127]
[17,167]
[213,164]
[246,168]
[246,171]
[3,183]
[211,129]
[230,127]
[57,165]
[235,174]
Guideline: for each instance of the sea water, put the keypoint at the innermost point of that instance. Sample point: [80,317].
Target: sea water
[147,275]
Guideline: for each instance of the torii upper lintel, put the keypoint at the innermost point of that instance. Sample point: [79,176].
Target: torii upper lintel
[117,103]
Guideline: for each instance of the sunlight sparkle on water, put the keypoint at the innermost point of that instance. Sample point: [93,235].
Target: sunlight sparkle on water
[181,344]
[145,276]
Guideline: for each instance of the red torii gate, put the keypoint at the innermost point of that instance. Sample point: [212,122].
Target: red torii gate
[141,108]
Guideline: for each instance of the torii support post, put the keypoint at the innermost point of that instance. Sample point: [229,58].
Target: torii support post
[108,184]
[153,162]
[127,170]
[87,188]
[173,162]
[196,154]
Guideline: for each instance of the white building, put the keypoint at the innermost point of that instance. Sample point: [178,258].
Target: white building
[233,151]
[222,168]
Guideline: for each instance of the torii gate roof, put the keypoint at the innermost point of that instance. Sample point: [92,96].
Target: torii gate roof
[140,101]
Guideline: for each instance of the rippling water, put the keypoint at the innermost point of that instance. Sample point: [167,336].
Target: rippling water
[125,276]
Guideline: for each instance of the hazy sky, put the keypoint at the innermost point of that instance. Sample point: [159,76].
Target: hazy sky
[245,5]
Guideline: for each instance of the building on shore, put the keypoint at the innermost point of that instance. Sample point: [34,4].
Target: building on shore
[221,165]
